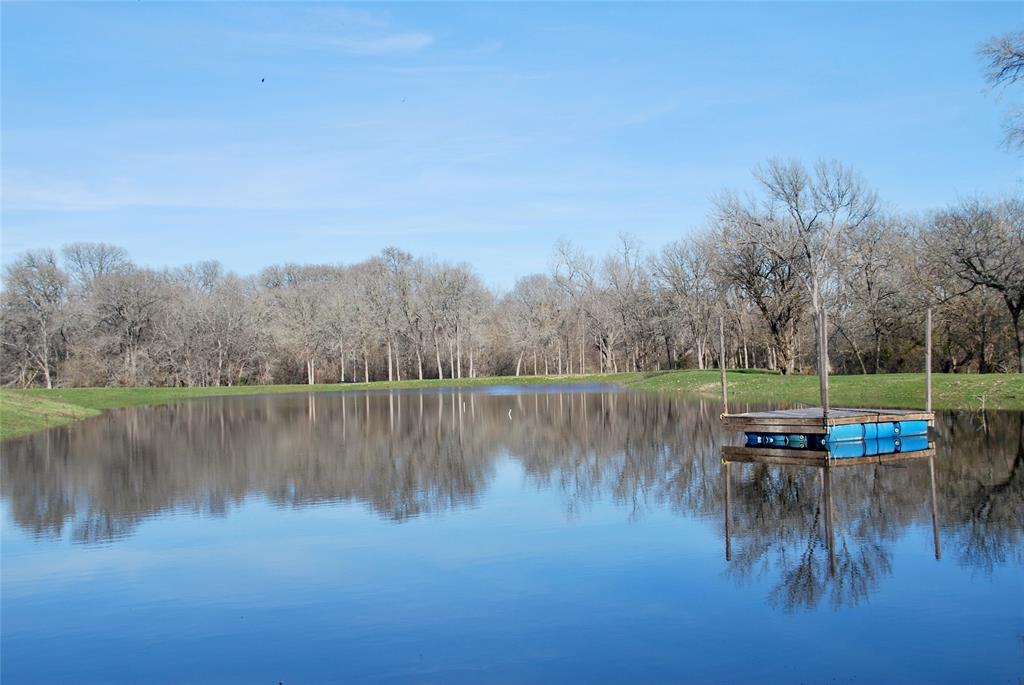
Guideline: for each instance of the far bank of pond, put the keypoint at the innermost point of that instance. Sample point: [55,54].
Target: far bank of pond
[26,411]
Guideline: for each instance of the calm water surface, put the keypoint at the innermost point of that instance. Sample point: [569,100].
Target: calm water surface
[508,536]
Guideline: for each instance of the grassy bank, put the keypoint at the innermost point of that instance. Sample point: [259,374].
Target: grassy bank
[24,411]
[949,391]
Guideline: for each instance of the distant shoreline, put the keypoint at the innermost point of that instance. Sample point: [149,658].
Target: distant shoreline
[30,410]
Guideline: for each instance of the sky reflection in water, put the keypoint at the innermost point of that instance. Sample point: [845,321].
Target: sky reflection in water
[566,534]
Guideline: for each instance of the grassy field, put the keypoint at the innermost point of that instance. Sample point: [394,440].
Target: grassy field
[24,411]
[949,391]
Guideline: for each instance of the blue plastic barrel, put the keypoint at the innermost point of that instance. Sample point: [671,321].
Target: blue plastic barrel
[862,448]
[913,428]
[796,441]
[913,443]
[847,449]
[876,431]
[886,446]
[886,429]
[847,431]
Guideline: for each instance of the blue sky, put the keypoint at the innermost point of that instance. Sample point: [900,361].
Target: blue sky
[470,132]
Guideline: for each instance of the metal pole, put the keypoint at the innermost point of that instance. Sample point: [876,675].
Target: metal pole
[823,363]
[928,360]
[721,364]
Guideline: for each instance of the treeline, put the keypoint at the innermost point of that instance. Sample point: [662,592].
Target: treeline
[810,242]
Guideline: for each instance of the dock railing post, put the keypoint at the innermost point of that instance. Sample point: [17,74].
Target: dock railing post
[928,360]
[721,364]
[823,362]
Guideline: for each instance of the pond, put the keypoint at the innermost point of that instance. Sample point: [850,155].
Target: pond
[553,534]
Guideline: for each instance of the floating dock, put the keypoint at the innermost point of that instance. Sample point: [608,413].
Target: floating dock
[817,457]
[800,436]
[825,433]
[811,420]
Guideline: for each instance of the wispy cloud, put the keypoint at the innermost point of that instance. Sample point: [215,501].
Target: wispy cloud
[37,192]
[337,28]
[383,44]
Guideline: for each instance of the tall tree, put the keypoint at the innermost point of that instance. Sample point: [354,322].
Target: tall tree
[33,303]
[302,310]
[683,269]
[799,221]
[127,306]
[766,276]
[85,261]
[983,242]
[1004,66]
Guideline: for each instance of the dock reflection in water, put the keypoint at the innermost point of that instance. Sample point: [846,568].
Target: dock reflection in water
[582,525]
[855,567]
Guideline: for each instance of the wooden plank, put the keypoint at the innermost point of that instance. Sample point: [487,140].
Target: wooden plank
[815,412]
[773,455]
[904,456]
[809,420]
[776,461]
[731,423]
[882,458]
[787,457]
[846,414]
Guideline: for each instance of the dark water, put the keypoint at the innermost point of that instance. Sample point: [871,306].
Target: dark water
[499,536]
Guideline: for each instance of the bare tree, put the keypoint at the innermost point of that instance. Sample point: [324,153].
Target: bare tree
[301,307]
[34,297]
[1004,66]
[127,306]
[764,275]
[85,262]
[684,270]
[872,283]
[807,237]
[579,276]
[629,285]
[983,242]
[405,283]
[795,227]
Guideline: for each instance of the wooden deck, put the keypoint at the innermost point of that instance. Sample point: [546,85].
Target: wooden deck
[778,455]
[808,420]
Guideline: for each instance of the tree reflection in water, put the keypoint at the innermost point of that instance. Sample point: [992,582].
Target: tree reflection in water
[790,523]
[412,454]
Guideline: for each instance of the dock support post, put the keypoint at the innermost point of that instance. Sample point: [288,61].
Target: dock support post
[823,362]
[728,501]
[928,360]
[721,364]
[935,509]
[830,535]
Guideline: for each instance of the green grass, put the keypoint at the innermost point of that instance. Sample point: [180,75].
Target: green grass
[949,391]
[22,413]
[28,410]
[25,411]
